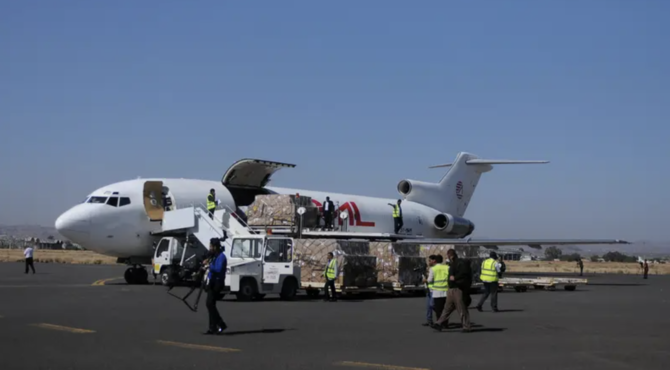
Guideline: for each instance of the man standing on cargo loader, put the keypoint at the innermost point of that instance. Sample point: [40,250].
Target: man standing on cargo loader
[397,216]
[330,274]
[438,280]
[211,203]
[458,295]
[489,276]
[328,211]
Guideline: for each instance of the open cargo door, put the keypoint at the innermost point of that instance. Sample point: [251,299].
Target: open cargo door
[251,173]
[153,200]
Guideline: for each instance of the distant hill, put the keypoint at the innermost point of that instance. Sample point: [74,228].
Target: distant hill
[27,231]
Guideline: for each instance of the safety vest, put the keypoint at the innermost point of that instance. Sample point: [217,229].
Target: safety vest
[440,278]
[211,204]
[330,271]
[396,211]
[489,273]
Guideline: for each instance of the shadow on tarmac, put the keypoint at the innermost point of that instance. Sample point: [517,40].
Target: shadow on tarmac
[262,331]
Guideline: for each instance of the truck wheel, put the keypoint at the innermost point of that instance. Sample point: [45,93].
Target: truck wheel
[248,290]
[289,289]
[570,288]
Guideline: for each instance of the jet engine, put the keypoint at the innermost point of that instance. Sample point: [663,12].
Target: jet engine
[405,187]
[453,226]
[418,191]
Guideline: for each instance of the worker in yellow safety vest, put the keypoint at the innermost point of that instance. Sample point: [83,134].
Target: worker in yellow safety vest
[211,203]
[432,260]
[397,216]
[438,282]
[489,276]
[330,274]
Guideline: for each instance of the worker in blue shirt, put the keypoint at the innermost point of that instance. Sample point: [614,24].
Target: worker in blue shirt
[216,277]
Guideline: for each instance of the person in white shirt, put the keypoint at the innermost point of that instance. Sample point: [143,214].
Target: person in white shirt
[28,253]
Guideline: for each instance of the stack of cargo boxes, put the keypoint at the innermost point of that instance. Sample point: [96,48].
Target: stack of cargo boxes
[363,266]
[357,268]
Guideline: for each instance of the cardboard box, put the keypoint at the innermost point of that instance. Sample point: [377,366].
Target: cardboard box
[281,210]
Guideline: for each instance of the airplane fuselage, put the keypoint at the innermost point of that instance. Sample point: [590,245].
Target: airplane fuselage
[125,231]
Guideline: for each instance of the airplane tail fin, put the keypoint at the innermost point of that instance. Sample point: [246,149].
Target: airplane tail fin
[452,194]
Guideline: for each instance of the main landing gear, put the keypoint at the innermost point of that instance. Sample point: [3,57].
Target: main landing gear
[136,275]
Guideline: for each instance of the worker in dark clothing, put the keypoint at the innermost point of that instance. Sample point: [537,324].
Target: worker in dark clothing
[580,264]
[646,269]
[216,277]
[458,295]
[397,216]
[328,211]
[211,203]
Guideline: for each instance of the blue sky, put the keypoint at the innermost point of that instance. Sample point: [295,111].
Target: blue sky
[359,94]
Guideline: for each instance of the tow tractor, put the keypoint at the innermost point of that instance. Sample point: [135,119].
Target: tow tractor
[257,265]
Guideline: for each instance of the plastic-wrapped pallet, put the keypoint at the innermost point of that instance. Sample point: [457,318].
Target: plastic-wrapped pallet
[398,264]
[356,266]
[280,210]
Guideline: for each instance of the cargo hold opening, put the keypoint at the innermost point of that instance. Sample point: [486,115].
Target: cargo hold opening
[243,196]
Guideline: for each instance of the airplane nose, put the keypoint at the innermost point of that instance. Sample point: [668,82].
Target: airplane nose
[74,225]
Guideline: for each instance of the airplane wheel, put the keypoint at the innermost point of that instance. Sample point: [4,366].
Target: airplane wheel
[141,275]
[134,275]
[129,276]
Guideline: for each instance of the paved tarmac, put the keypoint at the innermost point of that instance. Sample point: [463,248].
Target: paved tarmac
[81,317]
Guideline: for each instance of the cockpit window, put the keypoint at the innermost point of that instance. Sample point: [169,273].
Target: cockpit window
[113,201]
[99,200]
[124,201]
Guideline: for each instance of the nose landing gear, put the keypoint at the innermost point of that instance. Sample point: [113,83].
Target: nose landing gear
[136,275]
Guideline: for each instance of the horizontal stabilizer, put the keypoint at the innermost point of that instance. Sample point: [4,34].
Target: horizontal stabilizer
[491,161]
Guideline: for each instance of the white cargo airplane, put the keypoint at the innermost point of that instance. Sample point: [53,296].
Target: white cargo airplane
[116,220]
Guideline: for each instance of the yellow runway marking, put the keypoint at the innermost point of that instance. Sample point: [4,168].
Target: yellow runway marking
[197,346]
[103,281]
[64,328]
[377,366]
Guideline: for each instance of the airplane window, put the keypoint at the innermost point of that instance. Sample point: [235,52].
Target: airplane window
[86,200]
[113,201]
[98,200]
[124,201]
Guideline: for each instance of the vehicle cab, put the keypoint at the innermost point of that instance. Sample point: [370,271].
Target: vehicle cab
[260,265]
[173,255]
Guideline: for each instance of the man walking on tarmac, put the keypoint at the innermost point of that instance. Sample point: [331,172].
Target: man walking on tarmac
[432,260]
[217,274]
[458,295]
[489,276]
[330,274]
[397,216]
[211,203]
[438,283]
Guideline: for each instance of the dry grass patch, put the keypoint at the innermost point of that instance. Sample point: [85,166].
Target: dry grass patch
[56,256]
[589,267]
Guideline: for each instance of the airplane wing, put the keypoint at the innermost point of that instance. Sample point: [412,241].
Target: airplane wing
[252,173]
[533,243]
